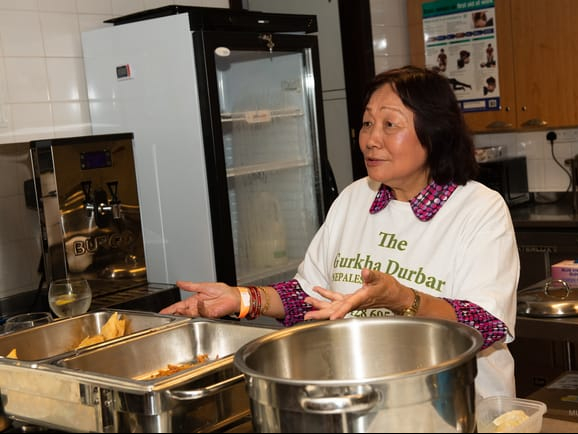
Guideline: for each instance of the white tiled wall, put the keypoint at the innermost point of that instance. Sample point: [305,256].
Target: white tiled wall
[43,95]
[19,234]
[42,87]
[391,49]
[390,36]
[544,172]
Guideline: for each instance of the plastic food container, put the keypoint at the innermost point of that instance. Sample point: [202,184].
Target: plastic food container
[489,409]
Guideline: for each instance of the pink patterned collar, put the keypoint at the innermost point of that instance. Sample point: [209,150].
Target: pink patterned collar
[425,205]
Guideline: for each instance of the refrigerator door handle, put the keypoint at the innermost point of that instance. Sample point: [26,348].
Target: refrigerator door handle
[332,190]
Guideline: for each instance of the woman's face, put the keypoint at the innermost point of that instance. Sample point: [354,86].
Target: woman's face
[392,152]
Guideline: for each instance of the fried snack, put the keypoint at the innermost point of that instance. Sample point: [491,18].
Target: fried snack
[12,354]
[169,370]
[90,340]
[172,369]
[113,328]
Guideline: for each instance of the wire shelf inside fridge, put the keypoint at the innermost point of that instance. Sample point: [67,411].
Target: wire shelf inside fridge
[258,116]
[266,167]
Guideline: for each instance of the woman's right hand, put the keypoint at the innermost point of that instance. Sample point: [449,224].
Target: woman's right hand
[210,300]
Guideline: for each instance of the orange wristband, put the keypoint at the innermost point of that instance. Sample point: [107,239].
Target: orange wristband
[245,301]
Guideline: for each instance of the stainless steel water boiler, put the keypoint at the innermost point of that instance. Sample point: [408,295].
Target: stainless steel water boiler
[89,209]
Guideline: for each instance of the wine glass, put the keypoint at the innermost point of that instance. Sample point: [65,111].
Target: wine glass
[69,297]
[27,320]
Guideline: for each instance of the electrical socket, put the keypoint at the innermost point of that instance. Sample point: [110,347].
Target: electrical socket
[567,135]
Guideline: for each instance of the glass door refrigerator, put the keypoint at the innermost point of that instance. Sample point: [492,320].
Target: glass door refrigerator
[230,151]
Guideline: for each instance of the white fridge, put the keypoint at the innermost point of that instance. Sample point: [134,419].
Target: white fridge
[230,154]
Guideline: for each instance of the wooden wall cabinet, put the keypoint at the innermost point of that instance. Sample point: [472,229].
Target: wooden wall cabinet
[538,64]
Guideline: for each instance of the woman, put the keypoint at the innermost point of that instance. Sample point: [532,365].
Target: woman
[417,236]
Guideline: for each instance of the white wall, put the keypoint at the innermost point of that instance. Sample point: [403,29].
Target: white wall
[390,36]
[42,86]
[544,174]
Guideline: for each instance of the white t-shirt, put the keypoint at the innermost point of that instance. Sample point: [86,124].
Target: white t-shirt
[467,251]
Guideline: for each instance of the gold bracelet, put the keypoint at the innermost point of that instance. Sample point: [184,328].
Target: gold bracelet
[412,310]
[267,300]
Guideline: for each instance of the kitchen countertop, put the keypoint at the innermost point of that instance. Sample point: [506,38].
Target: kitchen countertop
[561,328]
[539,215]
[554,216]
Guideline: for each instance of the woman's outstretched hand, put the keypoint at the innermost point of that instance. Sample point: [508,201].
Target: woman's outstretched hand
[378,290]
[210,300]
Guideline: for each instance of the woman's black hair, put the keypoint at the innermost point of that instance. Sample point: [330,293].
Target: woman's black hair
[438,119]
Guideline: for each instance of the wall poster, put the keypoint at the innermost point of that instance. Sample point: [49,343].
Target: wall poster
[460,42]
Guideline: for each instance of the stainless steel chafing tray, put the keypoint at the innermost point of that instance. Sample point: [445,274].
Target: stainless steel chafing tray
[99,390]
[62,336]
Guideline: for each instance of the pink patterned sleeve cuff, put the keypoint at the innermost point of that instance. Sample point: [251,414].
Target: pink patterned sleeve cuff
[491,328]
[293,298]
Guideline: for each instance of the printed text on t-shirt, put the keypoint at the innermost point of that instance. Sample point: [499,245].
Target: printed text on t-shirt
[392,267]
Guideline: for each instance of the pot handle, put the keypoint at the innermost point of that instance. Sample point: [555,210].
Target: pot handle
[203,392]
[355,402]
[564,284]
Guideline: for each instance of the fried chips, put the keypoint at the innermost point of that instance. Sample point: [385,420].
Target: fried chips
[113,328]
[174,368]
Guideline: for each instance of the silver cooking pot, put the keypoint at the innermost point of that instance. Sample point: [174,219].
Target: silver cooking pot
[389,374]
[554,299]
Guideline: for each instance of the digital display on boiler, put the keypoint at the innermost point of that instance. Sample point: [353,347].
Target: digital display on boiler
[123,72]
[95,159]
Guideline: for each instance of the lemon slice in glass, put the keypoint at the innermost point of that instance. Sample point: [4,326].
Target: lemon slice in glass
[65,299]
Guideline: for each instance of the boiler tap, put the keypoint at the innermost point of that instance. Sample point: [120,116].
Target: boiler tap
[98,204]
[105,206]
[103,210]
[88,203]
[114,201]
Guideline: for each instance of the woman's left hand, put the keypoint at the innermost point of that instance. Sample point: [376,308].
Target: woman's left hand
[337,306]
[378,290]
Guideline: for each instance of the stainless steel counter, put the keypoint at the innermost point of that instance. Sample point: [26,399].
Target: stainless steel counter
[545,215]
